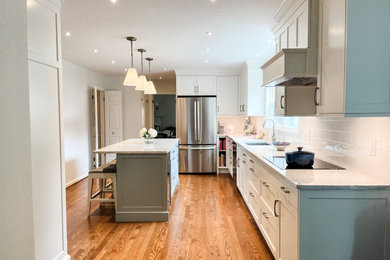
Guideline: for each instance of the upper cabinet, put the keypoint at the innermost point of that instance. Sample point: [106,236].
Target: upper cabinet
[196,85]
[292,28]
[355,58]
[227,92]
[251,96]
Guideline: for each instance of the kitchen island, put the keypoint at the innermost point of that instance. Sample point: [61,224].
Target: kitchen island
[147,175]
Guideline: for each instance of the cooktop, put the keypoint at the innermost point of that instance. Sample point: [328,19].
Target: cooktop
[280,162]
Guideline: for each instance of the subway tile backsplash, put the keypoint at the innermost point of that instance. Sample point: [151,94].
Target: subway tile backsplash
[356,143]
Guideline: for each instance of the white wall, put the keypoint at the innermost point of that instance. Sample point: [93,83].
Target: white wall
[16,214]
[77,82]
[132,106]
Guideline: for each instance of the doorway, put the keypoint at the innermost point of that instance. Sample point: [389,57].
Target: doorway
[165,115]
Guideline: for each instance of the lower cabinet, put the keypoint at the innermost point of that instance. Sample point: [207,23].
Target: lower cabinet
[272,203]
[314,223]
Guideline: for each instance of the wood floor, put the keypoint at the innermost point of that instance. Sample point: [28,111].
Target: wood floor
[208,220]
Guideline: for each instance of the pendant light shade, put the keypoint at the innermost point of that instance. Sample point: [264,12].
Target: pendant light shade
[142,82]
[131,78]
[150,89]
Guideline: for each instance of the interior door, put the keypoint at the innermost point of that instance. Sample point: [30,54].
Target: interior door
[113,105]
[186,120]
[207,120]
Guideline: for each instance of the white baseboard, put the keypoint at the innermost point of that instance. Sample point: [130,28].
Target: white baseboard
[62,256]
[75,180]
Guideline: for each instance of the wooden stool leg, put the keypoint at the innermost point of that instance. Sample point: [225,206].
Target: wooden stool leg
[90,188]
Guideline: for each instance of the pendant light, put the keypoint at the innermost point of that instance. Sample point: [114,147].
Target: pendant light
[150,89]
[142,82]
[132,75]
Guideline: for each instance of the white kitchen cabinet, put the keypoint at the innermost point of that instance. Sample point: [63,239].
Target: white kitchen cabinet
[227,92]
[251,96]
[288,241]
[186,85]
[292,25]
[230,156]
[354,72]
[196,85]
[47,155]
[295,101]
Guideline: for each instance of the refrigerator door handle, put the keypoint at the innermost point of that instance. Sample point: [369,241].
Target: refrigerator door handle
[195,121]
[187,147]
[198,119]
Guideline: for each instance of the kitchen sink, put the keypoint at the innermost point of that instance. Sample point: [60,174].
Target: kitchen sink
[257,143]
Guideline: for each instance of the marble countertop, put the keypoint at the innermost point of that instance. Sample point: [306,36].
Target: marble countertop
[312,179]
[137,146]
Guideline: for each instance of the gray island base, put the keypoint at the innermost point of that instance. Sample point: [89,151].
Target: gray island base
[146,179]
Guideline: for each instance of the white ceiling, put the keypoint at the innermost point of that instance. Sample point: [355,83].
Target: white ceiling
[172,31]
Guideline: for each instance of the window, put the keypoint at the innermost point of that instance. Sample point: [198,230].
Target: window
[284,123]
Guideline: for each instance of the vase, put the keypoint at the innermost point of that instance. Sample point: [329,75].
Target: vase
[148,141]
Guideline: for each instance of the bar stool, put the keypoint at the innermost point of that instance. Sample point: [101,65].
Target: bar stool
[103,173]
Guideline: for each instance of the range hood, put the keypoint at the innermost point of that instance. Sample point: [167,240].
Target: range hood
[291,67]
[295,66]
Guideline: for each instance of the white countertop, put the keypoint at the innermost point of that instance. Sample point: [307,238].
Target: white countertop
[137,146]
[312,179]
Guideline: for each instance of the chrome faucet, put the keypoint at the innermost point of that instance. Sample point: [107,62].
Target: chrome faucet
[273,128]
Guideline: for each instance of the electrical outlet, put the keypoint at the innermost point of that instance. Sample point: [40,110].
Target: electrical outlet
[373,147]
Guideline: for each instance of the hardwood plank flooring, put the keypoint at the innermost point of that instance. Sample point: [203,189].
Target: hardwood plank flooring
[208,220]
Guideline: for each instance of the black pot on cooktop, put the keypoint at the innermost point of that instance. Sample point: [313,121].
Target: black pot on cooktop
[299,159]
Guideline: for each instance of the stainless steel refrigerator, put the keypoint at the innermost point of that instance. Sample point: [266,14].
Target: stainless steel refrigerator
[196,123]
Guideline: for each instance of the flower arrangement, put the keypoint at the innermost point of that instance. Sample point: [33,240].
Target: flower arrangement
[148,134]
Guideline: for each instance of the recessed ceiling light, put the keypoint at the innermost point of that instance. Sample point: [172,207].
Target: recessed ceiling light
[257,55]
[206,61]
[213,1]
[95,50]
[113,62]
[207,50]
[165,69]
[67,34]
[160,77]
[269,41]
[125,69]
[30,3]
[209,33]
[113,1]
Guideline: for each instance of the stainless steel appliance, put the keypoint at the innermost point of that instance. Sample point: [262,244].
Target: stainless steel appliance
[196,122]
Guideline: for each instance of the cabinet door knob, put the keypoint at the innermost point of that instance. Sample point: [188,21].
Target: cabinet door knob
[265,184]
[265,215]
[250,193]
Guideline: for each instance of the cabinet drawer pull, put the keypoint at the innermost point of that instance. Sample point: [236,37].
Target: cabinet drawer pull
[284,189]
[250,193]
[315,97]
[251,170]
[265,184]
[244,154]
[244,162]
[281,102]
[265,215]
[252,161]
[276,202]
